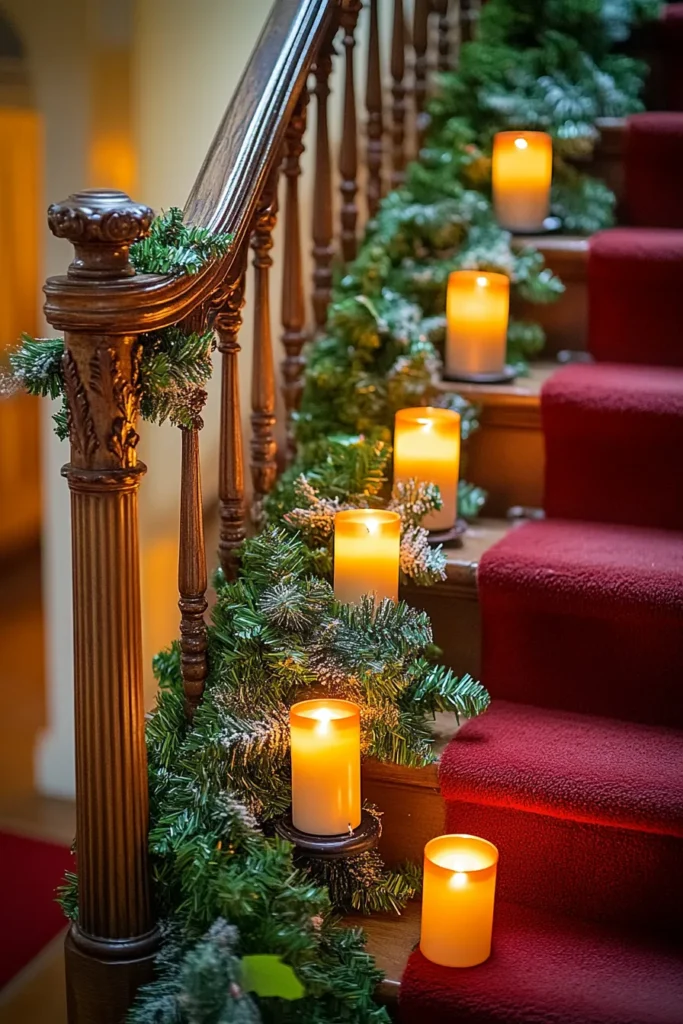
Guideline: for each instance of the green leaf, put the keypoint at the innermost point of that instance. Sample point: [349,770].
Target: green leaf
[267,976]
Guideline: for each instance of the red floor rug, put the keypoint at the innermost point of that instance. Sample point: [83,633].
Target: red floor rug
[29,916]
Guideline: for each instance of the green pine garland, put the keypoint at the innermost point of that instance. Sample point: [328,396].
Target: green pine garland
[175,365]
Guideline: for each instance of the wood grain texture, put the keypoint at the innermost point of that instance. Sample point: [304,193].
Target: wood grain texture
[374,125]
[115,939]
[398,93]
[348,154]
[263,462]
[293,302]
[322,228]
[227,323]
[192,576]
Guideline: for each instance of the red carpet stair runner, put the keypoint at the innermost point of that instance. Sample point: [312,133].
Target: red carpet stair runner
[576,772]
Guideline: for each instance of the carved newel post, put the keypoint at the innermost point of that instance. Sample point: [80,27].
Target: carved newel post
[109,953]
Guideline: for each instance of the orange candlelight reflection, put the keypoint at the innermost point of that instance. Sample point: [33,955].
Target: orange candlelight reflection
[477,311]
[522,171]
[427,449]
[367,545]
[457,900]
[325,745]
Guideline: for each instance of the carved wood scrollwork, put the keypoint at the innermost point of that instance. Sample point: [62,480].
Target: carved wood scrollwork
[82,432]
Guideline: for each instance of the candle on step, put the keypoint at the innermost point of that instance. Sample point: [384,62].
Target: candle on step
[522,171]
[427,448]
[457,900]
[325,747]
[366,554]
[477,310]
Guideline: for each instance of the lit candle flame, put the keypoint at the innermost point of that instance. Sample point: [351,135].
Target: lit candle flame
[521,143]
[458,880]
[483,282]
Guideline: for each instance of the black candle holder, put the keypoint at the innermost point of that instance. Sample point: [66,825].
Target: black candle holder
[452,537]
[550,226]
[347,844]
[505,376]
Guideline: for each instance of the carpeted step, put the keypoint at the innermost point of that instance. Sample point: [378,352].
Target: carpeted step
[585,617]
[634,296]
[549,970]
[653,164]
[587,812]
[614,444]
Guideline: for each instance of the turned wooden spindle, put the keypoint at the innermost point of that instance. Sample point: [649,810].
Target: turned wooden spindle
[348,154]
[110,951]
[420,43]
[444,54]
[375,125]
[323,247]
[398,93]
[231,459]
[293,301]
[468,16]
[263,445]
[192,579]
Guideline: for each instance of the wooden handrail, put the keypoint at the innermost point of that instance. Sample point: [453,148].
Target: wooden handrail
[246,145]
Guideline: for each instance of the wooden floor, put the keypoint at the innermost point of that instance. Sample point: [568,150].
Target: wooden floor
[37,993]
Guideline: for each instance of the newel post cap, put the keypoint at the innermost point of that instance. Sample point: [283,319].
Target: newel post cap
[101,224]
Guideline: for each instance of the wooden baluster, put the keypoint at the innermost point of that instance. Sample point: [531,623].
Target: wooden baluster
[323,248]
[375,126]
[293,302]
[110,950]
[348,156]
[231,460]
[398,92]
[420,41]
[192,581]
[441,8]
[468,16]
[263,444]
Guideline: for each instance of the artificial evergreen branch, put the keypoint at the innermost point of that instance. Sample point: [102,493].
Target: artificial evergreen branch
[172,247]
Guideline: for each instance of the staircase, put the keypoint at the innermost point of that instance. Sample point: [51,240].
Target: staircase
[576,772]
[575,621]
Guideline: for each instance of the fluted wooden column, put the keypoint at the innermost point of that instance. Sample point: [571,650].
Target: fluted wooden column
[231,459]
[323,247]
[192,577]
[398,92]
[263,444]
[109,952]
[375,126]
[293,302]
[348,154]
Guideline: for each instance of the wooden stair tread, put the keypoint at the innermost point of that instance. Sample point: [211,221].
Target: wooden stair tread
[391,940]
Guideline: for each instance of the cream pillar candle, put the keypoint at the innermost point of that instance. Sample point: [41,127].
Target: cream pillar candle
[522,172]
[325,745]
[427,448]
[366,554]
[457,900]
[477,310]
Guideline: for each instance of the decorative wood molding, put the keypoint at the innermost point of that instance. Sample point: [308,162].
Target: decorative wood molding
[192,576]
[348,154]
[323,248]
[231,459]
[293,302]
[110,952]
[263,444]
[375,125]
[398,92]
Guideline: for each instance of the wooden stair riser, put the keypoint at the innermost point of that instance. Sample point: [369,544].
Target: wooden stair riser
[607,160]
[456,622]
[564,321]
[412,813]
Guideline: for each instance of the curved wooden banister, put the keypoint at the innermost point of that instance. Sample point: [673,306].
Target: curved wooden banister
[224,197]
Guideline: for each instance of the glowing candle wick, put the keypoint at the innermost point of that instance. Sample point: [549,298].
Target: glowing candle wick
[459,880]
